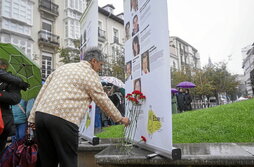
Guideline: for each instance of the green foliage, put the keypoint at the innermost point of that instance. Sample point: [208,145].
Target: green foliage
[69,55]
[226,123]
[178,76]
[118,68]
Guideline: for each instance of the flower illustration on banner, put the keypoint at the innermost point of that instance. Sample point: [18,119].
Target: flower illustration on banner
[154,123]
[88,119]
[134,104]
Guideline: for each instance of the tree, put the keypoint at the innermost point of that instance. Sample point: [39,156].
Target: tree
[178,76]
[223,81]
[118,68]
[69,55]
[204,86]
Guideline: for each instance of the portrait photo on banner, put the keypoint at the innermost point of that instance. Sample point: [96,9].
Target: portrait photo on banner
[135,25]
[137,84]
[128,70]
[134,5]
[145,63]
[135,46]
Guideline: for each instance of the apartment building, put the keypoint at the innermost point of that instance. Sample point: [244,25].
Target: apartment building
[16,23]
[56,26]
[183,55]
[110,37]
[248,67]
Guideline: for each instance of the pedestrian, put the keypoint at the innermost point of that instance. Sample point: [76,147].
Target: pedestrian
[20,120]
[174,103]
[180,100]
[9,95]
[61,104]
[187,100]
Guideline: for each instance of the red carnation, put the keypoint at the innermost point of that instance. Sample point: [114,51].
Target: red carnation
[90,106]
[128,95]
[136,92]
[143,138]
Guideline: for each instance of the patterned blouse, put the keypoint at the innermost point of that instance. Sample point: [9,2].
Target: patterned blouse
[68,92]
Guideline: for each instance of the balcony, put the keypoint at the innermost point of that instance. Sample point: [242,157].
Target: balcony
[48,7]
[101,35]
[48,39]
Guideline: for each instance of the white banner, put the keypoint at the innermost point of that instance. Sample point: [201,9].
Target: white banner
[89,38]
[89,27]
[148,70]
[86,128]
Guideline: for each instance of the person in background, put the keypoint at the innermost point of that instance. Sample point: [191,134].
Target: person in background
[20,120]
[60,105]
[180,100]
[187,100]
[174,103]
[9,95]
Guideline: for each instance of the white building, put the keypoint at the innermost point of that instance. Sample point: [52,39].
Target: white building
[248,67]
[16,23]
[110,36]
[56,26]
[183,55]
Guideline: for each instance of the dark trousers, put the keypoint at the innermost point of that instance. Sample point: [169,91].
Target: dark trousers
[57,141]
[9,130]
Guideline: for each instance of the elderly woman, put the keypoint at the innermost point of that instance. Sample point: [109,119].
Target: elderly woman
[61,104]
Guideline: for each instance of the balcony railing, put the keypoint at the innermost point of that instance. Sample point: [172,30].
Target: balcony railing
[49,6]
[48,37]
[101,33]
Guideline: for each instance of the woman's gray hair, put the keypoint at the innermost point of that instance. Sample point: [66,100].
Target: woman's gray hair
[93,52]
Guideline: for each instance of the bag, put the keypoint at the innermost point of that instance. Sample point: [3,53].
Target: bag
[22,153]
[1,122]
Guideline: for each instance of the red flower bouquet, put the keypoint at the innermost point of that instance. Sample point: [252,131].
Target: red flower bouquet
[134,102]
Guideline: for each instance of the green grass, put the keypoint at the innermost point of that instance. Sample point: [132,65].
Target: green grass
[115,131]
[227,123]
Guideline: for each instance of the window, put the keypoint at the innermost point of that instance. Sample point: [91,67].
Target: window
[100,24]
[47,25]
[46,64]
[115,35]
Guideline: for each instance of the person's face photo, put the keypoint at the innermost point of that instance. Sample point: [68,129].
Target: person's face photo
[137,84]
[128,70]
[134,5]
[135,25]
[127,31]
[145,63]
[135,46]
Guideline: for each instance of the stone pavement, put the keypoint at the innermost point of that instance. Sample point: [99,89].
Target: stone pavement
[196,154]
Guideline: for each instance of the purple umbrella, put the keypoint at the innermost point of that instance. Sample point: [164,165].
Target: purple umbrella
[186,84]
[174,90]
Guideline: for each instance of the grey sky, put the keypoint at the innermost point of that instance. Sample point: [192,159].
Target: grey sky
[217,28]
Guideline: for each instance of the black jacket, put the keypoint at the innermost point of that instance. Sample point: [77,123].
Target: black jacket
[9,78]
[9,95]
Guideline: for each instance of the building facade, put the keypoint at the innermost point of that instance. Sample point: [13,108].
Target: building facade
[16,23]
[248,67]
[56,26]
[110,38]
[183,55]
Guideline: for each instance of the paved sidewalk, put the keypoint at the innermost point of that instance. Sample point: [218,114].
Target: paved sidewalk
[199,154]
